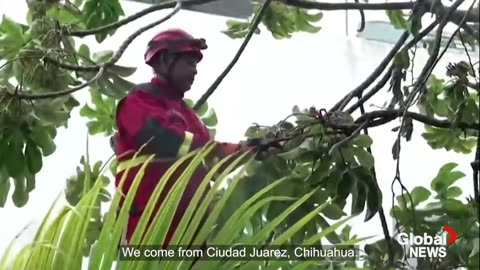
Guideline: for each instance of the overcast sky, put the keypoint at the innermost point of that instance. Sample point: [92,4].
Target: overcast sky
[271,77]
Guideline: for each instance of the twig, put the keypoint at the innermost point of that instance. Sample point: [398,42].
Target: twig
[118,54]
[253,26]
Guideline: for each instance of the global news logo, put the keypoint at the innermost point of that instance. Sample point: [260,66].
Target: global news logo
[427,246]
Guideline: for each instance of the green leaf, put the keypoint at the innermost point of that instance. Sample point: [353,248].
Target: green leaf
[293,154]
[189,102]
[374,195]
[364,157]
[455,209]
[102,56]
[363,140]
[453,192]
[397,19]
[344,187]
[256,132]
[419,194]
[332,211]
[415,25]
[446,176]
[359,196]
[44,140]
[11,28]
[87,111]
[15,165]
[211,119]
[33,157]
[202,110]
[403,59]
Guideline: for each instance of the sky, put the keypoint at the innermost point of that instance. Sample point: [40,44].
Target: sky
[271,77]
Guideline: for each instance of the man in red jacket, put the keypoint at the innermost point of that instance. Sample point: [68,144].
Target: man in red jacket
[156,113]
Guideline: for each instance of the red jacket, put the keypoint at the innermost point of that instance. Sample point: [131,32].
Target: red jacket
[156,111]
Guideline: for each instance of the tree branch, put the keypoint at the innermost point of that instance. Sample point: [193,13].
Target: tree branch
[390,115]
[456,16]
[129,19]
[63,92]
[347,6]
[253,26]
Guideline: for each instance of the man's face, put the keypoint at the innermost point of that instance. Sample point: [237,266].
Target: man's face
[183,71]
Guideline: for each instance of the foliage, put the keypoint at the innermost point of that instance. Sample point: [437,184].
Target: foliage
[58,242]
[280,20]
[325,157]
[427,211]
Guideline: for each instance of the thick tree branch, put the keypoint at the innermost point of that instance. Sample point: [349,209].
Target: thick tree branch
[347,6]
[390,115]
[253,26]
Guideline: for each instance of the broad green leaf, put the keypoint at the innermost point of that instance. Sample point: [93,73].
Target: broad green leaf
[403,59]
[397,19]
[453,192]
[362,140]
[419,195]
[446,176]
[210,119]
[364,157]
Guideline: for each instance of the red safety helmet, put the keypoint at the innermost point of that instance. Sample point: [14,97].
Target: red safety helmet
[174,41]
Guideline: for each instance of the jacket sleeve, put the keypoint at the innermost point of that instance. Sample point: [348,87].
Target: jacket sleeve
[145,122]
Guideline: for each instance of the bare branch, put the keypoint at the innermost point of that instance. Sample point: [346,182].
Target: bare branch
[253,26]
